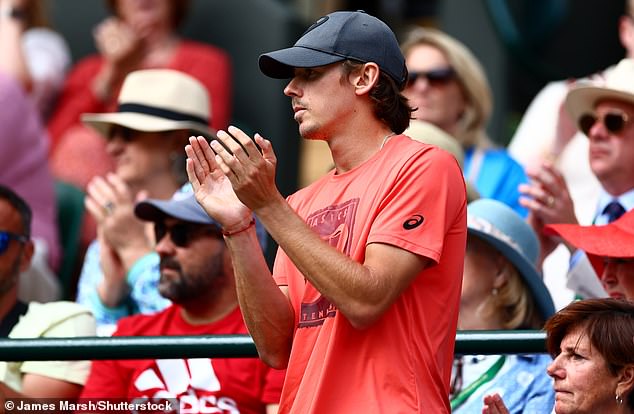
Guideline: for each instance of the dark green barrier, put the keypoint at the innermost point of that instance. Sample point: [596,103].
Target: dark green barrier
[226,346]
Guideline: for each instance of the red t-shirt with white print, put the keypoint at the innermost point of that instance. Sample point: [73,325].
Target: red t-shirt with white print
[202,385]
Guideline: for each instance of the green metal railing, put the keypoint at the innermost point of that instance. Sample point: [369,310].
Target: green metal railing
[226,346]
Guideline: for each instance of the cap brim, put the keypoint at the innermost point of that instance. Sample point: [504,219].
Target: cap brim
[142,122]
[527,271]
[156,210]
[280,64]
[583,99]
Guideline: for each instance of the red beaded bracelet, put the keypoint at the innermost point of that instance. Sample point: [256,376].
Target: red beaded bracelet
[233,233]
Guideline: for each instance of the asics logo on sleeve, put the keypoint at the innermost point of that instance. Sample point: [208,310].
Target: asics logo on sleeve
[413,222]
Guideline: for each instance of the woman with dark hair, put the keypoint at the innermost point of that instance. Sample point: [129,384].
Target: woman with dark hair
[591,342]
[139,35]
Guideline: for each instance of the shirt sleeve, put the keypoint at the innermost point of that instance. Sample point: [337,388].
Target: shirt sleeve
[274,379]
[424,203]
[87,295]
[71,371]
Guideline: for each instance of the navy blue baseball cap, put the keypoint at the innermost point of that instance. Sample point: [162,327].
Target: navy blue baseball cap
[339,36]
[184,206]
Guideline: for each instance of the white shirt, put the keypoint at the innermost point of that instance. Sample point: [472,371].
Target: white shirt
[48,58]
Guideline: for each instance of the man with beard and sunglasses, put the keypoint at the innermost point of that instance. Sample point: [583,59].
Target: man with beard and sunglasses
[197,276]
[604,113]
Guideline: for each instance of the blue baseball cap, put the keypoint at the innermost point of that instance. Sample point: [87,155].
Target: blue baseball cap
[184,206]
[339,36]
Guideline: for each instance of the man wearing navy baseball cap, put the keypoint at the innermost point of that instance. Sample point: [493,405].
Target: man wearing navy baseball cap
[362,303]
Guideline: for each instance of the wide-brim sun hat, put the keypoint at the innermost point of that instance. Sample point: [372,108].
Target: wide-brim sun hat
[505,230]
[337,36]
[158,100]
[614,240]
[618,84]
[184,206]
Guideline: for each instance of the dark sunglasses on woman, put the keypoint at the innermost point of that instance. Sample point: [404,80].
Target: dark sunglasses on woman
[6,237]
[435,77]
[182,234]
[613,121]
[125,133]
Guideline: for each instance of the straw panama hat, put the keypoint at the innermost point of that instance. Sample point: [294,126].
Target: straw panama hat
[615,240]
[157,100]
[618,84]
[505,230]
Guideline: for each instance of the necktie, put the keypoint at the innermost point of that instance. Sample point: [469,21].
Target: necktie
[613,211]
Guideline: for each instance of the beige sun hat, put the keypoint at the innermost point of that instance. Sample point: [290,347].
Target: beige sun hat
[617,84]
[156,100]
[428,133]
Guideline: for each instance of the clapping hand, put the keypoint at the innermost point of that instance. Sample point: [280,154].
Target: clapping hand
[493,404]
[232,178]
[548,200]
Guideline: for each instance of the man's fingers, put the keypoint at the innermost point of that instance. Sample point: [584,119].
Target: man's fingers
[266,148]
[193,166]
[198,155]
[248,144]
[191,173]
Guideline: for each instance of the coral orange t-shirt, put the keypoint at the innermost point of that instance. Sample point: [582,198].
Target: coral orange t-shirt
[410,195]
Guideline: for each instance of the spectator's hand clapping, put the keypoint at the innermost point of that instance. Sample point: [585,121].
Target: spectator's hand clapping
[119,44]
[122,50]
[111,203]
[212,188]
[548,200]
[493,404]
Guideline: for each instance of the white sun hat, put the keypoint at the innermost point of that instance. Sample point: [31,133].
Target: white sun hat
[156,100]
[618,84]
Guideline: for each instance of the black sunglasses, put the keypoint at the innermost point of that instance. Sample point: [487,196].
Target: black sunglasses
[614,122]
[182,234]
[6,237]
[125,133]
[434,77]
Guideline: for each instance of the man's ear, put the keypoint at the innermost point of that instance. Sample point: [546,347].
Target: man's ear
[26,256]
[366,78]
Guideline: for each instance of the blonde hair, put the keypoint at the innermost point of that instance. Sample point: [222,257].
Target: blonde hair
[514,302]
[471,78]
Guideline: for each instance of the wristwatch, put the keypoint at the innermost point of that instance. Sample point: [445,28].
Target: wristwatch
[9,12]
